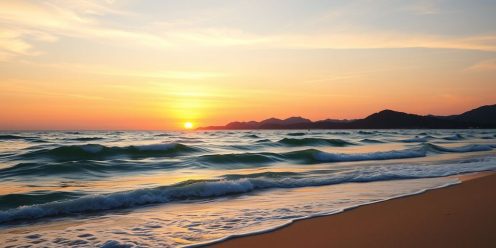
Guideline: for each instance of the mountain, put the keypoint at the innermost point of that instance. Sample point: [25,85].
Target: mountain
[288,121]
[485,114]
[272,123]
[243,125]
[482,117]
[394,119]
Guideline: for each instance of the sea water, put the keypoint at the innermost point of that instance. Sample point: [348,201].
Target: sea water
[169,189]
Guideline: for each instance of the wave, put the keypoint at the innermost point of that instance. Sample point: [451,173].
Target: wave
[466,148]
[163,135]
[10,201]
[296,134]
[187,141]
[269,174]
[311,156]
[253,136]
[417,139]
[366,132]
[90,165]
[72,132]
[339,133]
[98,152]
[23,169]
[86,167]
[487,137]
[314,142]
[198,189]
[372,141]
[12,137]
[90,161]
[454,137]
[395,154]
[87,138]
[240,158]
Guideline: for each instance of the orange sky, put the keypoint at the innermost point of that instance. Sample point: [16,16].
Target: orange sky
[148,65]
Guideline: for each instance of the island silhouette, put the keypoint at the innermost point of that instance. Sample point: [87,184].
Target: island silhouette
[482,117]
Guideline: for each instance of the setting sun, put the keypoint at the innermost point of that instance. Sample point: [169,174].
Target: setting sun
[188,125]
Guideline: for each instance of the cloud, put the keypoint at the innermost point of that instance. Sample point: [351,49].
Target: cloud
[45,21]
[24,24]
[483,66]
[14,42]
[218,37]
[11,43]
[430,7]
[384,40]
[132,72]
[181,75]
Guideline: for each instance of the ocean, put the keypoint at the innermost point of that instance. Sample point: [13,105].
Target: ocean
[173,189]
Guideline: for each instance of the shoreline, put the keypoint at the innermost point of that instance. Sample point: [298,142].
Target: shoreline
[392,223]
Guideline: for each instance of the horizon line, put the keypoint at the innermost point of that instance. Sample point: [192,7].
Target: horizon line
[197,128]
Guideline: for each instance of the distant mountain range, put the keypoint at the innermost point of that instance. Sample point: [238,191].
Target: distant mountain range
[482,117]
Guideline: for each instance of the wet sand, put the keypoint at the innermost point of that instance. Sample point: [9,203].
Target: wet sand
[462,215]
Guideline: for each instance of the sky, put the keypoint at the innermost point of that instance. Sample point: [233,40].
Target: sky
[154,65]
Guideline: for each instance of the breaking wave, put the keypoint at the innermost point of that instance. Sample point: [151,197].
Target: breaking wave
[12,137]
[99,152]
[236,184]
[314,142]
[466,148]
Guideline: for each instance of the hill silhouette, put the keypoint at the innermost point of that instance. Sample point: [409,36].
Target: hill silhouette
[482,117]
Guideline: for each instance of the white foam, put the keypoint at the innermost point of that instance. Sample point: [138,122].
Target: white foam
[344,157]
[202,189]
[454,137]
[467,148]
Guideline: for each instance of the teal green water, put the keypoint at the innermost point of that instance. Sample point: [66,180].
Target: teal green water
[73,177]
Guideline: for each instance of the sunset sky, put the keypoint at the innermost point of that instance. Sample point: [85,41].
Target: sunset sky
[158,64]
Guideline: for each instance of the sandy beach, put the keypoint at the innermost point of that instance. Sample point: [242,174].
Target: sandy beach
[462,215]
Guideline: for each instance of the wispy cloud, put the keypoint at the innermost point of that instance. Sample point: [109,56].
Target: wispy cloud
[12,43]
[182,75]
[25,23]
[379,41]
[483,66]
[132,72]
[46,21]
[429,7]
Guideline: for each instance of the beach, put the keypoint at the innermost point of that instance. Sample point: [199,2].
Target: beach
[461,215]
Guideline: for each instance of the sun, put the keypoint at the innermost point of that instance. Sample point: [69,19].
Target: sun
[188,125]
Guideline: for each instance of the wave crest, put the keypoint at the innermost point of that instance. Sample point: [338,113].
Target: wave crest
[12,137]
[97,152]
[245,158]
[314,142]
[395,154]
[466,148]
[454,137]
[238,185]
